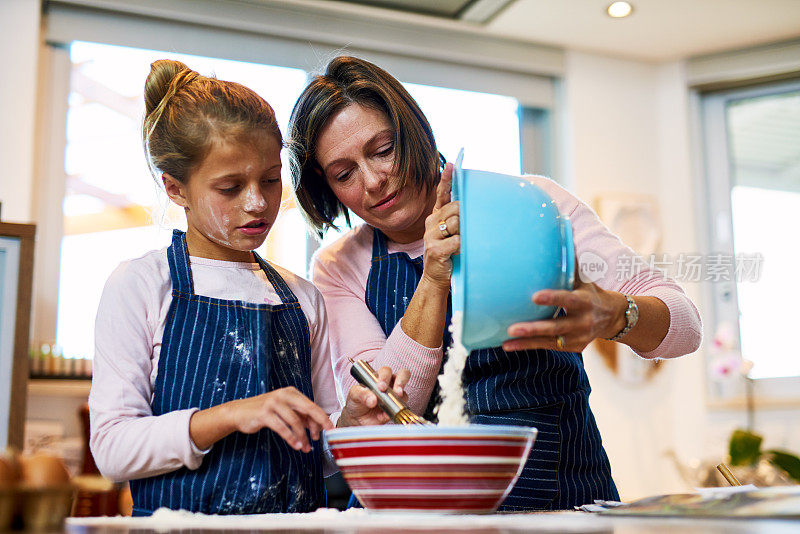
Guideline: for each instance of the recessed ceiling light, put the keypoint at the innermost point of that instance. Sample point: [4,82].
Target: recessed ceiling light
[618,10]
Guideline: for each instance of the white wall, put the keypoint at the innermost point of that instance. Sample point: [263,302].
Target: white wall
[610,115]
[613,142]
[19,43]
[628,130]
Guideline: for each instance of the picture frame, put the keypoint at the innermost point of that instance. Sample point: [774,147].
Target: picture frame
[16,280]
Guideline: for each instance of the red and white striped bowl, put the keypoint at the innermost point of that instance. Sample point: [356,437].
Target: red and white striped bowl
[467,469]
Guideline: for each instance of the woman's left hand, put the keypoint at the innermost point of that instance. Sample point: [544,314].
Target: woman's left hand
[592,312]
[361,407]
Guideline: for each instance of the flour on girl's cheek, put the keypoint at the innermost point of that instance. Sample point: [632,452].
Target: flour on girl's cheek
[451,409]
[217,222]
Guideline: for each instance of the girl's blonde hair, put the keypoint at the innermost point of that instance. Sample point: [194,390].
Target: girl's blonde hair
[186,111]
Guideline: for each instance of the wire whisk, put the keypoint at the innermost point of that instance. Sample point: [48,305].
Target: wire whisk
[394,407]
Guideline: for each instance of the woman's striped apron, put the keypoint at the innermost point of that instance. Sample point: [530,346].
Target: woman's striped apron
[546,389]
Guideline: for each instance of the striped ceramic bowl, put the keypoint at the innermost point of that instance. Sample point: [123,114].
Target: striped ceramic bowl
[468,469]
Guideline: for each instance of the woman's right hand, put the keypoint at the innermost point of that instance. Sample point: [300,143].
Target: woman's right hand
[286,411]
[437,266]
[424,319]
[362,408]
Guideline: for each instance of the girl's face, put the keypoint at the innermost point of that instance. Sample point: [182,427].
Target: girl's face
[232,198]
[355,150]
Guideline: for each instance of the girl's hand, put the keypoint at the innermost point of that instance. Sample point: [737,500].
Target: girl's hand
[441,242]
[286,411]
[592,312]
[361,407]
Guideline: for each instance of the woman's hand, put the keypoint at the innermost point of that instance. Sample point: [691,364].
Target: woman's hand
[592,312]
[361,407]
[424,318]
[286,411]
[442,239]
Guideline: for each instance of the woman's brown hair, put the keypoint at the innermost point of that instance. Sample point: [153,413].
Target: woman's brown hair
[185,112]
[348,80]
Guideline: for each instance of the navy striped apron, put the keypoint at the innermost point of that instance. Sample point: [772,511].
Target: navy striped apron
[546,389]
[215,351]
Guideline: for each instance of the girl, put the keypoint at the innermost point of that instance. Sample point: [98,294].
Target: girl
[209,359]
[360,142]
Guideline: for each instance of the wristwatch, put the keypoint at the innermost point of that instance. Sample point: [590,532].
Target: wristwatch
[631,318]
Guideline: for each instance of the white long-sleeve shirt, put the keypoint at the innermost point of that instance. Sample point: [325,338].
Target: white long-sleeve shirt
[127,440]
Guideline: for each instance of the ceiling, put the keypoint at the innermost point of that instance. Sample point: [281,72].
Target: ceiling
[479,11]
[440,8]
[658,30]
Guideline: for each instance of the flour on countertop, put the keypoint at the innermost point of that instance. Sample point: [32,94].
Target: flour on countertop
[329,519]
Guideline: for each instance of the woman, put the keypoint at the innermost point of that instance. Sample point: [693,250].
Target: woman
[360,142]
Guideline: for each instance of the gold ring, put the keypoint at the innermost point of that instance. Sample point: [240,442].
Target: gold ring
[560,342]
[443,228]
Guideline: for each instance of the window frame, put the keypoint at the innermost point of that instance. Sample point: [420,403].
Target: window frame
[537,142]
[716,213]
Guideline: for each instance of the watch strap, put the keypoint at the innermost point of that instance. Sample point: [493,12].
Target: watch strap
[630,314]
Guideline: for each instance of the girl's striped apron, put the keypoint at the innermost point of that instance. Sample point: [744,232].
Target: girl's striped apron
[215,351]
[545,389]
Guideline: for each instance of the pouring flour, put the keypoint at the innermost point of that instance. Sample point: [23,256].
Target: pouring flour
[451,409]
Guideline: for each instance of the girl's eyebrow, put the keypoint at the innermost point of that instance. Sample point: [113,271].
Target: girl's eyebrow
[371,141]
[239,174]
[229,175]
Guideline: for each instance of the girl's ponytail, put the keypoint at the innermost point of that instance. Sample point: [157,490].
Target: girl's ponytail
[184,110]
[166,78]
[159,81]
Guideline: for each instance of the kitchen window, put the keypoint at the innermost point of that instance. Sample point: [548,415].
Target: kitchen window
[113,210]
[100,195]
[752,154]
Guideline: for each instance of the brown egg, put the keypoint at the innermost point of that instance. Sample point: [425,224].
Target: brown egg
[7,475]
[9,470]
[43,471]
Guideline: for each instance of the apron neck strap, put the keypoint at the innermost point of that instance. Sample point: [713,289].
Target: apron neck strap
[379,247]
[180,270]
[278,283]
[179,267]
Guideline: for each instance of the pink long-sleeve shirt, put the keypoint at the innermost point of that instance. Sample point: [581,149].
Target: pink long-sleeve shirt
[127,440]
[340,271]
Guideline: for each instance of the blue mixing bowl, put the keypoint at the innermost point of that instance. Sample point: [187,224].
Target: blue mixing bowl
[514,242]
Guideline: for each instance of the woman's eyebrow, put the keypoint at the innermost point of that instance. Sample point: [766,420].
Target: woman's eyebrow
[332,163]
[378,135]
[369,144]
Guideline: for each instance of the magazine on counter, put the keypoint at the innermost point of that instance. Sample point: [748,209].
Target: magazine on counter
[737,501]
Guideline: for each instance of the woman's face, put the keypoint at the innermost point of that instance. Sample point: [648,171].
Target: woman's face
[355,150]
[232,198]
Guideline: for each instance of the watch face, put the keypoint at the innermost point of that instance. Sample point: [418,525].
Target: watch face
[632,313]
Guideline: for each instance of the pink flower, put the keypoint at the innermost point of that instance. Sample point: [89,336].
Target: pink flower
[725,366]
[725,338]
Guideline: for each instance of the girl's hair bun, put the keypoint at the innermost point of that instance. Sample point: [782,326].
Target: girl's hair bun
[162,74]
[185,111]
